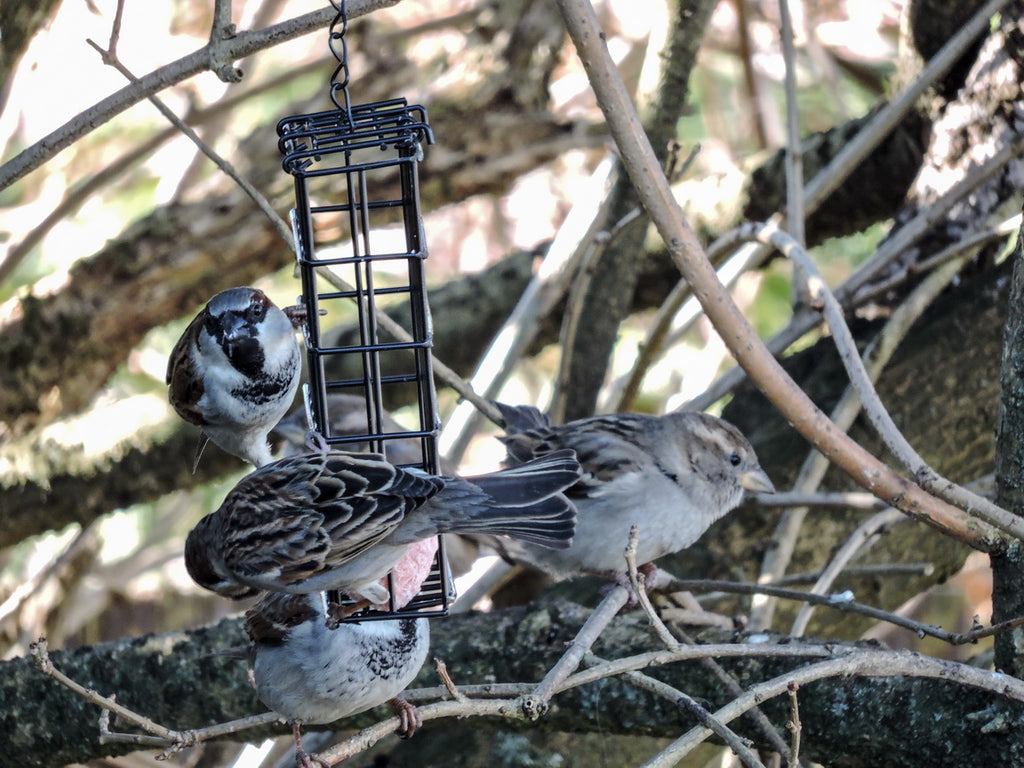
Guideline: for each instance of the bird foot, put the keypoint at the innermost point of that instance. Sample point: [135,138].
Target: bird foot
[653,577]
[316,442]
[304,759]
[337,612]
[649,575]
[408,715]
[298,315]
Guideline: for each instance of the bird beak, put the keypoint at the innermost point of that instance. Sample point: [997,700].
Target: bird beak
[236,328]
[757,481]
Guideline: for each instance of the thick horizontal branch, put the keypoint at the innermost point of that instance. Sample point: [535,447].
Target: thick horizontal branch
[180,681]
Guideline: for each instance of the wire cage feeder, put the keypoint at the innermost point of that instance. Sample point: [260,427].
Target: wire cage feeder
[356,182]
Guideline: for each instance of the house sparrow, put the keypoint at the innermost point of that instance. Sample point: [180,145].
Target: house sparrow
[671,475]
[235,369]
[338,520]
[310,673]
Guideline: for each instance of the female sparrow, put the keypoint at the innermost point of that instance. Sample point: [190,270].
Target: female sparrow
[309,673]
[338,520]
[235,369]
[671,475]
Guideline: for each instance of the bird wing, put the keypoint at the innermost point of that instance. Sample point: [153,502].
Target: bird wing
[606,447]
[185,385]
[364,498]
[276,614]
[298,517]
[280,551]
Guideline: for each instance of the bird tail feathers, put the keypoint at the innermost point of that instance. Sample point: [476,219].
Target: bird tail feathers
[524,502]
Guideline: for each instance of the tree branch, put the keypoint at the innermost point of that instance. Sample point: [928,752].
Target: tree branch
[238,47]
[184,681]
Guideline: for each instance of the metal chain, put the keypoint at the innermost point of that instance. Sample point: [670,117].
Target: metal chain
[339,48]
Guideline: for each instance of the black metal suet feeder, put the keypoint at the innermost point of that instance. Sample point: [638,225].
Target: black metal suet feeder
[356,182]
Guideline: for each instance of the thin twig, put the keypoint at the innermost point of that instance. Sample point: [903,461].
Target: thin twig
[446,680]
[844,602]
[831,177]
[874,570]
[366,738]
[536,703]
[794,159]
[41,654]
[159,735]
[930,480]
[710,651]
[238,47]
[640,589]
[687,703]
[84,539]
[560,263]
[778,556]
[675,317]
[794,724]
[963,249]
[863,535]
[110,57]
[221,30]
[732,687]
[854,151]
[824,499]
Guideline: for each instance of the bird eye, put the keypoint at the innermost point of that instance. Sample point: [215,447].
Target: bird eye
[735,459]
[257,310]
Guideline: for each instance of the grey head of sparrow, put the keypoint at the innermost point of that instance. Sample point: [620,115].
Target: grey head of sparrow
[311,673]
[341,521]
[235,370]
[672,476]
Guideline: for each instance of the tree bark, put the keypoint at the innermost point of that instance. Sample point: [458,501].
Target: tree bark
[178,681]
[1008,567]
[19,23]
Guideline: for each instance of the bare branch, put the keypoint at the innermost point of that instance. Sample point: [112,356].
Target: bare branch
[238,47]
[536,704]
[865,664]
[844,602]
[688,704]
[732,326]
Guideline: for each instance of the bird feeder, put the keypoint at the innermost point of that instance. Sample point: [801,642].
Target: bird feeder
[361,249]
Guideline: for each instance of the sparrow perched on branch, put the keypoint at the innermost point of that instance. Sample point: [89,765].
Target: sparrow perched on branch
[309,673]
[235,369]
[338,520]
[672,476]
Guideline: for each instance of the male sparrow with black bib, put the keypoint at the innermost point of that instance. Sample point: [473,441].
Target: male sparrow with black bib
[235,369]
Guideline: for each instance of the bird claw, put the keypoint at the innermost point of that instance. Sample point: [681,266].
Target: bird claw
[338,612]
[316,442]
[650,576]
[304,759]
[409,717]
